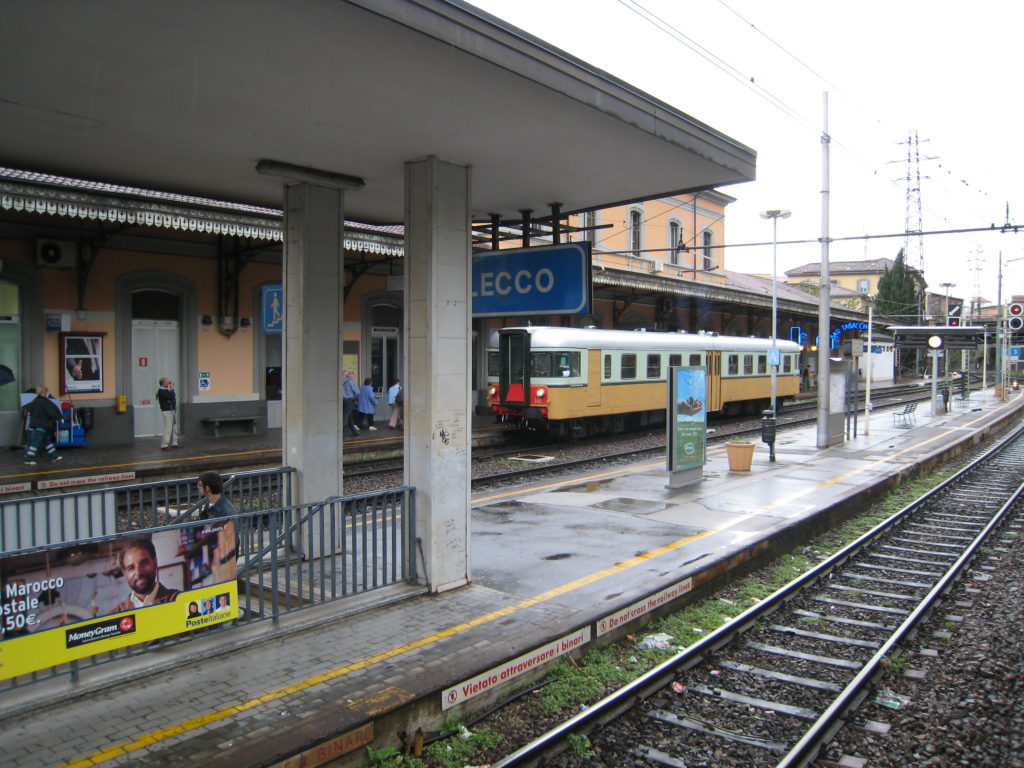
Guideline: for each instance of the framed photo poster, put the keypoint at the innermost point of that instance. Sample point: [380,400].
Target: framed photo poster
[81,360]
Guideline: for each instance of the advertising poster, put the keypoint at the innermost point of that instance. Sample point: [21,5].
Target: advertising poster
[82,361]
[67,603]
[689,419]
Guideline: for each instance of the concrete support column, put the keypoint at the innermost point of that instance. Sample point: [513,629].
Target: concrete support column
[437,359]
[314,286]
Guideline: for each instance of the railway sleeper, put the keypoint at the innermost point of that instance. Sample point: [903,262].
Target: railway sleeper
[710,730]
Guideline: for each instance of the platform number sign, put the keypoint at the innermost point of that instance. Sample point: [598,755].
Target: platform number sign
[1016,312]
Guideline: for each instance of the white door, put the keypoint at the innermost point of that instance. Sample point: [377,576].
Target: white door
[154,356]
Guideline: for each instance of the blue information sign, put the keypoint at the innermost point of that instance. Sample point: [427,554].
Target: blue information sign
[550,280]
[272,310]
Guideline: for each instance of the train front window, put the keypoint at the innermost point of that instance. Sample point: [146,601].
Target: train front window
[695,361]
[627,367]
[493,364]
[540,364]
[654,366]
[567,364]
[675,360]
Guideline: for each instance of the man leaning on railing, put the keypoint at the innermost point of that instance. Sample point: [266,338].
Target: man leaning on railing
[211,487]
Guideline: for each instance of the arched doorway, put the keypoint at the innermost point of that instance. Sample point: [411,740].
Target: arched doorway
[10,350]
[156,317]
[21,344]
[155,353]
[385,344]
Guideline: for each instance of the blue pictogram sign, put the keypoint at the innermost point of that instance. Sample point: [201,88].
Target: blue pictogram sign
[272,310]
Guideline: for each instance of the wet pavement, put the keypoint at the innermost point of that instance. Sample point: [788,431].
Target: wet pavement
[554,564]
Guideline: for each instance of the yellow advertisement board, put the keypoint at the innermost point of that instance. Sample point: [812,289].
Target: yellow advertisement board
[71,602]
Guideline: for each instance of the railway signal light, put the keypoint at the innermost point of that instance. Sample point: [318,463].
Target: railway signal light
[1016,312]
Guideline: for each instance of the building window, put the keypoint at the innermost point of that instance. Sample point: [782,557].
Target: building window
[864,285]
[675,239]
[707,240]
[636,222]
[588,220]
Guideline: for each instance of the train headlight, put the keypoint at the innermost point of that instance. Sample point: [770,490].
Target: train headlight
[540,395]
[492,391]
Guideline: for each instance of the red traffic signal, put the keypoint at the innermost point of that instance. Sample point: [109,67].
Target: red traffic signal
[953,322]
[1016,312]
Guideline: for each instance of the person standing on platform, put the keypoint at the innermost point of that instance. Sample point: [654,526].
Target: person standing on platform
[168,402]
[366,404]
[349,395]
[396,399]
[43,415]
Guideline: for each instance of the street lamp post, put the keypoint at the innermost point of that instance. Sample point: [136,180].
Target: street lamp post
[775,215]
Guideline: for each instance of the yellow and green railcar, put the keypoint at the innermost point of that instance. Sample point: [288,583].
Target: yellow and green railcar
[586,381]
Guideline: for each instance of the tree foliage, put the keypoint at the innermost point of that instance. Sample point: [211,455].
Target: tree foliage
[898,297]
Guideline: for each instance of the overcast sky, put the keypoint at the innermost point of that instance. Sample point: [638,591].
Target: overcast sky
[757,71]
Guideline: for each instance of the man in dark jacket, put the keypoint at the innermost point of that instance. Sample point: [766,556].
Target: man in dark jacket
[168,402]
[43,416]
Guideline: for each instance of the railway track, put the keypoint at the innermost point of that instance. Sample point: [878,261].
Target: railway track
[772,686]
[791,417]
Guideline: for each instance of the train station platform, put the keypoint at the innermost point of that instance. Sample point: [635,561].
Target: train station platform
[556,565]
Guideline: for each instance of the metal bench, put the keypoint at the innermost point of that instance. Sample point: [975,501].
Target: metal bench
[216,421]
[905,416]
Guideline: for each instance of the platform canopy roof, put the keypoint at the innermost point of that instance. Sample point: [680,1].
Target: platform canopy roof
[189,96]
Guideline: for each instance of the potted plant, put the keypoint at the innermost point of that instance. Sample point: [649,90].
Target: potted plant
[740,451]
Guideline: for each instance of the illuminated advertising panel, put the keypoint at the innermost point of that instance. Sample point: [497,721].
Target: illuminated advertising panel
[687,418]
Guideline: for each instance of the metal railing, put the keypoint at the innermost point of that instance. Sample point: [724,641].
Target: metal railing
[99,512]
[292,558]
[309,554]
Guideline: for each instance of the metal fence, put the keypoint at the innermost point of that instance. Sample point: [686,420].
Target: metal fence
[98,512]
[295,557]
[309,554]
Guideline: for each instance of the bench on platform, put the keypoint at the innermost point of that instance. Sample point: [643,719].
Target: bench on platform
[905,416]
[216,421]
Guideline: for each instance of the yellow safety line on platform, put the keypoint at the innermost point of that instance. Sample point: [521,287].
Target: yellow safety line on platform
[148,739]
[66,470]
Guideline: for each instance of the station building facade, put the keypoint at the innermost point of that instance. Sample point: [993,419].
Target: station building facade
[104,290]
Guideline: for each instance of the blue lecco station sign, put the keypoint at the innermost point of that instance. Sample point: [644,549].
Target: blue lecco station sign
[549,280]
